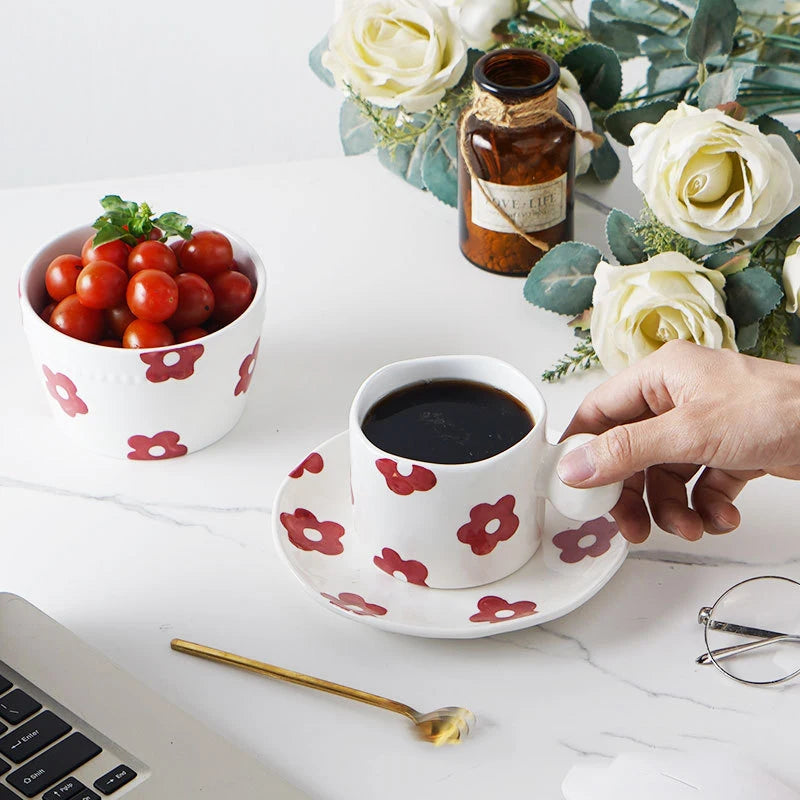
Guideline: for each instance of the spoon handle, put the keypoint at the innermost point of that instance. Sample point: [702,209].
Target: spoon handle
[290,676]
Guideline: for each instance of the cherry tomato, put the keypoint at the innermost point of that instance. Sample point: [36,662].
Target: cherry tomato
[195,302]
[207,253]
[176,248]
[190,334]
[116,252]
[141,333]
[110,342]
[47,312]
[152,255]
[118,318]
[152,295]
[101,285]
[62,272]
[233,293]
[70,316]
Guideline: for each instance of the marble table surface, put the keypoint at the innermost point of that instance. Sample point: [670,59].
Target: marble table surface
[363,270]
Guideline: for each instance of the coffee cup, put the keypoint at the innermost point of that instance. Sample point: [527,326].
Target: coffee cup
[455,525]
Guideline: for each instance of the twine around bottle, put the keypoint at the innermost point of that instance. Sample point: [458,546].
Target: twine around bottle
[530,112]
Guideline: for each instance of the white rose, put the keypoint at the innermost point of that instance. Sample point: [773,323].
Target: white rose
[476,18]
[713,178]
[791,277]
[640,307]
[570,92]
[396,52]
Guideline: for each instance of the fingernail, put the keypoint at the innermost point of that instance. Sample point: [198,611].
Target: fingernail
[722,524]
[576,466]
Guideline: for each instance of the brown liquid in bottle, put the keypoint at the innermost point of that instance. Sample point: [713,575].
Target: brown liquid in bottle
[538,158]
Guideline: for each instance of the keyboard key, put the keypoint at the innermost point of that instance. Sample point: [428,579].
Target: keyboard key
[17,706]
[4,767]
[33,736]
[65,790]
[7,794]
[5,684]
[115,779]
[86,794]
[44,770]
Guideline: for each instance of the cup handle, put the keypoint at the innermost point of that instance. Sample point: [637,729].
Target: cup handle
[578,504]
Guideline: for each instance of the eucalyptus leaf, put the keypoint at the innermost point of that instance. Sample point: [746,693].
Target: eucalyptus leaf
[315,62]
[625,243]
[603,13]
[355,130]
[787,228]
[624,42]
[563,279]
[751,294]
[712,29]
[771,125]
[762,14]
[405,160]
[721,87]
[598,71]
[747,337]
[659,15]
[621,123]
[440,166]
[727,262]
[665,51]
[671,79]
[604,161]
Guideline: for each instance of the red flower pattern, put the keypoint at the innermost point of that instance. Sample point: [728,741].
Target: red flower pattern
[355,604]
[419,479]
[246,371]
[167,443]
[390,562]
[313,464]
[179,369]
[326,540]
[475,533]
[573,547]
[495,609]
[65,391]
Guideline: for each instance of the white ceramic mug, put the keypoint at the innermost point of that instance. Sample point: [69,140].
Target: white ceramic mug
[460,524]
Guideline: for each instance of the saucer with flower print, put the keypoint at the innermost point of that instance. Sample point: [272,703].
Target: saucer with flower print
[312,526]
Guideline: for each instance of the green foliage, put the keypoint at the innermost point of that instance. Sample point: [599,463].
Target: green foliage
[604,160]
[598,71]
[315,62]
[768,125]
[606,28]
[751,295]
[620,123]
[440,166]
[659,238]
[129,221]
[624,239]
[712,30]
[773,332]
[582,357]
[555,42]
[563,279]
[355,130]
[721,87]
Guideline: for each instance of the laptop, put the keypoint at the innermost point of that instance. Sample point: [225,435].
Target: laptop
[74,726]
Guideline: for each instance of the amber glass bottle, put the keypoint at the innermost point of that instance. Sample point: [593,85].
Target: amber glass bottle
[528,170]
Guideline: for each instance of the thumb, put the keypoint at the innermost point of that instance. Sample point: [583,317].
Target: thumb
[626,449]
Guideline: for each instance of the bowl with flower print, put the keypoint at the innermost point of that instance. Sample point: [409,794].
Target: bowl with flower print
[147,404]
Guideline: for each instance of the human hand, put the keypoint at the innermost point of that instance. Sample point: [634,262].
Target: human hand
[683,409]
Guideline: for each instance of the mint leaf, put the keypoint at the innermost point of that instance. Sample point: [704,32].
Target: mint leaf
[113,202]
[171,223]
[110,233]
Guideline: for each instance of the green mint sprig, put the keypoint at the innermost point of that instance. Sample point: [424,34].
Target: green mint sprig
[129,221]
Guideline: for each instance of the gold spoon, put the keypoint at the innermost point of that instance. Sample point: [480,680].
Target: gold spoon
[444,726]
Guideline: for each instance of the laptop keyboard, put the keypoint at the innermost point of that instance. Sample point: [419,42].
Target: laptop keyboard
[39,750]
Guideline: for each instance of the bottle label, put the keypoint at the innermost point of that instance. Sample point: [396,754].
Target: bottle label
[535,207]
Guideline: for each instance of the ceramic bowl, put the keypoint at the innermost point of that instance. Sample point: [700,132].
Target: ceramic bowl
[148,404]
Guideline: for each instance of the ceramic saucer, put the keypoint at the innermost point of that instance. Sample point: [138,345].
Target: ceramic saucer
[312,519]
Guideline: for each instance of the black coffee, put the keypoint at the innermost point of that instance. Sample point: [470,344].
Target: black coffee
[447,422]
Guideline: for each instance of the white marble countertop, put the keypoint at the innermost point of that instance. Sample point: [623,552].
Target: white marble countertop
[363,270]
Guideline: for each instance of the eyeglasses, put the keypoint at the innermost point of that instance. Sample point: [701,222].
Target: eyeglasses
[752,632]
